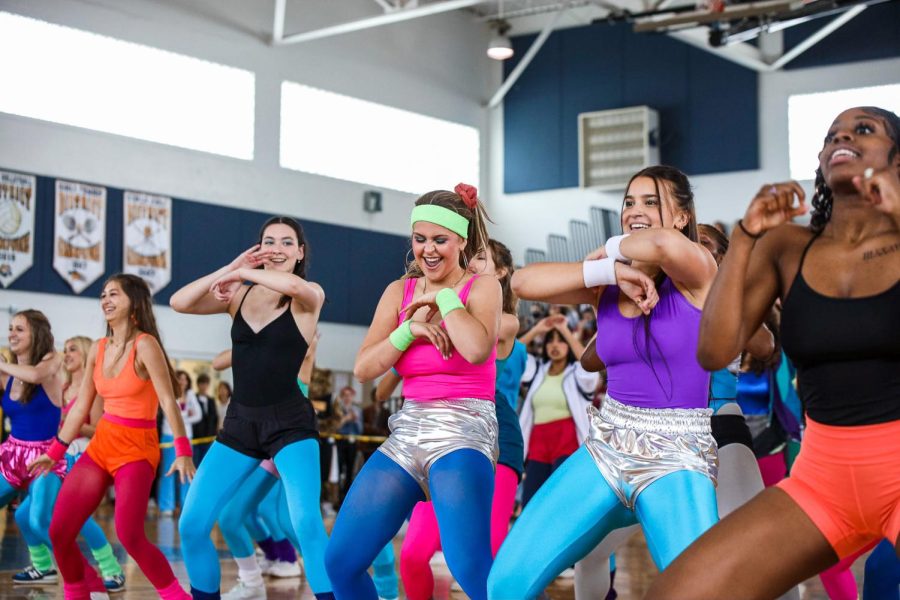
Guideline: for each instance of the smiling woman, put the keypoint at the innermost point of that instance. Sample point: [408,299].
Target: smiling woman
[844,488]
[274,317]
[443,439]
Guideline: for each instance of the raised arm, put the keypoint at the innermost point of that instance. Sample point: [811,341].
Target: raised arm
[377,354]
[474,329]
[747,283]
[556,283]
[684,261]
[307,295]
[197,297]
[46,373]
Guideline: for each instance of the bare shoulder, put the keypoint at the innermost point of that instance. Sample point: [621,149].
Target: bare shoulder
[786,236]
[486,285]
[147,343]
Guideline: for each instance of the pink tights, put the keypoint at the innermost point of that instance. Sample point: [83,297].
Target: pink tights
[423,539]
[79,496]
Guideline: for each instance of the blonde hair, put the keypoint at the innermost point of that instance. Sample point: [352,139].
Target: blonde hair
[84,346]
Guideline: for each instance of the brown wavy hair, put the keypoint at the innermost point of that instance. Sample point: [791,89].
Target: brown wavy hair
[142,318]
[503,260]
[41,346]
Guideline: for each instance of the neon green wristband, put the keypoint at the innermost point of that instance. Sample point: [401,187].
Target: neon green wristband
[448,301]
[402,337]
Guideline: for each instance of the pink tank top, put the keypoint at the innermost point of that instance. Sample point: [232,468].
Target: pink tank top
[427,376]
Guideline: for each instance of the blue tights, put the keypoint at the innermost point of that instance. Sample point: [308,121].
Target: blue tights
[461,486]
[882,573]
[221,474]
[33,515]
[542,544]
[232,519]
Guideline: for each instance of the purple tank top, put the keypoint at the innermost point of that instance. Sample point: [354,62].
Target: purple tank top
[664,373]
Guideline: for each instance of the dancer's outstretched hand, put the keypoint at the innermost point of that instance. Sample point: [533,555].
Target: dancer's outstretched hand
[250,258]
[774,205]
[42,464]
[637,286]
[185,467]
[881,189]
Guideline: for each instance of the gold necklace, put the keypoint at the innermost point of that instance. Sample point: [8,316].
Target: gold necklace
[461,277]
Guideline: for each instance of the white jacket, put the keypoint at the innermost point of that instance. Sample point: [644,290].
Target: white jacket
[578,386]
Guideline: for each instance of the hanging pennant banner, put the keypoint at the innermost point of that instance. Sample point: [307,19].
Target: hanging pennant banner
[17,200]
[148,238]
[79,249]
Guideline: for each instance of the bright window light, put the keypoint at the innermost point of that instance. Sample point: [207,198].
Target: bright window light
[810,116]
[346,138]
[78,78]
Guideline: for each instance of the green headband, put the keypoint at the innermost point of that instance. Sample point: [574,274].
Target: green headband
[432,213]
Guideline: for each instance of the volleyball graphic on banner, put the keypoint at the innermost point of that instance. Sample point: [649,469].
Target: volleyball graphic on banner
[17,201]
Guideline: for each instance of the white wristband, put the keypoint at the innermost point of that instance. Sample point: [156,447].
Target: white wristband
[612,248]
[599,272]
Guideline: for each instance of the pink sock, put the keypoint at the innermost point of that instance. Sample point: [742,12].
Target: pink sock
[173,591]
[505,483]
[421,542]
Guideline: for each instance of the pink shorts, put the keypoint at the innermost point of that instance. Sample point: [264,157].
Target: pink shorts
[15,455]
[847,480]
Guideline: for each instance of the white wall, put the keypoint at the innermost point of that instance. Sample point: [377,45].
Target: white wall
[435,66]
[524,220]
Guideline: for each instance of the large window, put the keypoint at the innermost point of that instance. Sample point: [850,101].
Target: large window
[810,116]
[78,78]
[346,138]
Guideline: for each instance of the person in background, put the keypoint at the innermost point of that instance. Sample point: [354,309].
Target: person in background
[208,425]
[350,424]
[190,413]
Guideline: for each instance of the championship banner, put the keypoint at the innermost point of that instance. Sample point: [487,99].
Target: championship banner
[79,248]
[148,238]
[16,225]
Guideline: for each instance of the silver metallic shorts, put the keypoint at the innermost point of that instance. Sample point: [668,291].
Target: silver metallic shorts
[633,447]
[425,430]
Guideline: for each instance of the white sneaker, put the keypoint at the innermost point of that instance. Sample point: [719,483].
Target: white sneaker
[281,568]
[567,574]
[99,596]
[245,592]
[264,563]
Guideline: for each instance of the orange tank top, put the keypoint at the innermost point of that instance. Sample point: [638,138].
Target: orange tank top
[125,395]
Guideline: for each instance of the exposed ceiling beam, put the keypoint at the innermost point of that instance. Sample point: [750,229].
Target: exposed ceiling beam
[278,25]
[742,54]
[386,19]
[736,11]
[817,37]
[526,60]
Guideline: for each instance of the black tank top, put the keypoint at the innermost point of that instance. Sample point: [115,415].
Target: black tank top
[847,352]
[265,363]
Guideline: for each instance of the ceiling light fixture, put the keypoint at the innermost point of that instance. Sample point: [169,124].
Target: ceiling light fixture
[500,47]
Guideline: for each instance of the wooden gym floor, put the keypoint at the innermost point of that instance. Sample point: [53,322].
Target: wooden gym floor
[635,569]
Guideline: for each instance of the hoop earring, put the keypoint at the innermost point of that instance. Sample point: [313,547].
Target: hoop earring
[465,261]
[409,257]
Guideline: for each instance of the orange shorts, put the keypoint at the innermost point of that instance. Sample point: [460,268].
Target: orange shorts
[114,445]
[847,480]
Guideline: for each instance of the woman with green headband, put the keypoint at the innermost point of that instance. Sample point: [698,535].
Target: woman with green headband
[443,440]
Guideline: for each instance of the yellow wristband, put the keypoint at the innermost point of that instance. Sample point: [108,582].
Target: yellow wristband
[448,301]
[402,337]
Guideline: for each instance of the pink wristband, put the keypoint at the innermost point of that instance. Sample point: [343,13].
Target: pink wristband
[183,447]
[56,451]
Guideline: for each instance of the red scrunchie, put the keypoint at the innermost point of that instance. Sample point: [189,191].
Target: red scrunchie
[468,193]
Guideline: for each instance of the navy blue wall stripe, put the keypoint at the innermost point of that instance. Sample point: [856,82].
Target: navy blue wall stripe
[352,265]
[705,103]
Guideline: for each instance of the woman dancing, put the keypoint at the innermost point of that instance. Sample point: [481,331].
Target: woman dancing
[423,539]
[131,372]
[650,456]
[839,283]
[269,417]
[75,353]
[442,441]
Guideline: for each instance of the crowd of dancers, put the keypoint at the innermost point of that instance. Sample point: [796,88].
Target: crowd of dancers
[667,450]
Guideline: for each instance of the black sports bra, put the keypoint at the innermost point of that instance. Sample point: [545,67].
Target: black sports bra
[846,350]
